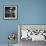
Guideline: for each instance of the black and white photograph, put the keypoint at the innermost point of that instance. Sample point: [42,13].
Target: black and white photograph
[10,12]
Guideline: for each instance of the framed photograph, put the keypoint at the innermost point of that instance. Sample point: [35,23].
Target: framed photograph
[10,12]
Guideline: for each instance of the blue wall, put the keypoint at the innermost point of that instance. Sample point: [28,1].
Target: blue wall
[29,12]
[33,12]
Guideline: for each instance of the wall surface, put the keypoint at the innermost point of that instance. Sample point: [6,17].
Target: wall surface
[29,12]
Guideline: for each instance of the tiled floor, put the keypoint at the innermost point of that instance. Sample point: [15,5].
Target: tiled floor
[34,43]
[9,45]
[28,43]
